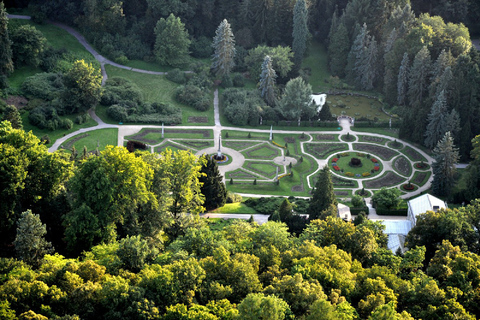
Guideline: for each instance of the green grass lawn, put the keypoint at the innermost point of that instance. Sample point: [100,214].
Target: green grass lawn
[54,135]
[157,135]
[264,151]
[19,75]
[356,107]
[238,207]
[93,139]
[157,88]
[317,62]
[384,131]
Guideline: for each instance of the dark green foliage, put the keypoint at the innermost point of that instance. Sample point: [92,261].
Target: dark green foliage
[193,96]
[121,90]
[30,244]
[6,63]
[117,113]
[241,107]
[264,205]
[27,45]
[213,187]
[325,114]
[300,31]
[134,252]
[387,198]
[201,47]
[172,42]
[338,49]
[177,76]
[10,113]
[238,80]
[45,117]
[446,156]
[323,196]
[45,86]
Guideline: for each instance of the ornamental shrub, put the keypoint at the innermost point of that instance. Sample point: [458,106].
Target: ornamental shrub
[349,174]
[177,76]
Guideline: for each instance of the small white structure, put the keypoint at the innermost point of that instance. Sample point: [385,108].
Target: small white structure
[344,212]
[422,204]
[396,230]
[319,100]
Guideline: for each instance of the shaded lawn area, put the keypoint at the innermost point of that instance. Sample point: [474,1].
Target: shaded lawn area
[92,139]
[237,207]
[385,131]
[317,62]
[157,88]
[54,135]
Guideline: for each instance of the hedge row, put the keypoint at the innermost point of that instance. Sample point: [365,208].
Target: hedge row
[393,212]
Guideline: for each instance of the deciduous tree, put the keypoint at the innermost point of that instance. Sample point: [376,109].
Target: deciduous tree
[6,63]
[296,101]
[27,45]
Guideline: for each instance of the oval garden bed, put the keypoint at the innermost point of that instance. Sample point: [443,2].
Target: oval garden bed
[421,165]
[355,165]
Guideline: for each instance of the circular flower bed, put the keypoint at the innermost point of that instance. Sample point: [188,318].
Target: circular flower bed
[355,165]
[222,160]
[409,187]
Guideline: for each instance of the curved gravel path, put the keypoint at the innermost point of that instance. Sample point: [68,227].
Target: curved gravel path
[125,130]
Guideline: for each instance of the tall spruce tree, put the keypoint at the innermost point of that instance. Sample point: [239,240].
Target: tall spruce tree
[419,76]
[30,244]
[446,156]
[6,64]
[223,59]
[389,77]
[437,121]
[267,82]
[300,31]
[213,187]
[402,80]
[354,65]
[323,196]
[338,50]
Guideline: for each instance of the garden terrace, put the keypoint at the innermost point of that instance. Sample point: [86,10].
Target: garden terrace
[266,169]
[263,151]
[239,145]
[241,174]
[154,135]
[323,150]
[372,139]
[421,177]
[382,152]
[197,144]
[325,137]
[389,179]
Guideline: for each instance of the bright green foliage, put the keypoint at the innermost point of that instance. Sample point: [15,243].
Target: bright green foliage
[296,101]
[387,312]
[432,228]
[267,82]
[11,114]
[446,156]
[83,87]
[135,252]
[323,195]
[172,41]
[285,210]
[178,189]
[6,64]
[300,31]
[213,188]
[108,190]
[30,243]
[281,60]
[31,177]
[387,198]
[5,311]
[27,45]
[257,306]
[224,46]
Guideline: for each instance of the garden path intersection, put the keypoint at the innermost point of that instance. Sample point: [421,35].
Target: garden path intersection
[237,158]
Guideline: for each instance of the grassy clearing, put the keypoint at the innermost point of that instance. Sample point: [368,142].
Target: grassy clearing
[93,139]
[367,166]
[157,88]
[356,107]
[317,62]
[238,207]
[20,74]
[54,135]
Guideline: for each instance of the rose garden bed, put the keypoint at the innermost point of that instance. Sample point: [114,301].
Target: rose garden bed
[403,166]
[421,166]
[322,150]
[326,137]
[421,177]
[372,139]
[389,179]
[413,154]
[395,145]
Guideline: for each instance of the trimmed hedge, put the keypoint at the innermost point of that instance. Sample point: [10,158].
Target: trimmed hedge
[356,211]
[378,124]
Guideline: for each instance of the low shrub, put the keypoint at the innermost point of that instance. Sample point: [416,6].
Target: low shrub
[132,145]
[366,174]
[238,80]
[193,96]
[45,117]
[233,197]
[177,76]
[349,174]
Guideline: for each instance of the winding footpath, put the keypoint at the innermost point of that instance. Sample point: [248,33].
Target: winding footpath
[238,158]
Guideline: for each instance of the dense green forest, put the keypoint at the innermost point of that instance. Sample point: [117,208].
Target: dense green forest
[115,234]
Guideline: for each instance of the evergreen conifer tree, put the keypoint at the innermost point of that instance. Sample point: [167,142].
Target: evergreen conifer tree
[446,156]
[267,82]
[285,210]
[402,80]
[30,243]
[323,196]
[11,114]
[437,122]
[6,63]
[224,46]
[300,31]
[419,76]
[338,50]
[213,187]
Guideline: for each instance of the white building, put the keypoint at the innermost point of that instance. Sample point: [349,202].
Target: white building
[422,204]
[344,212]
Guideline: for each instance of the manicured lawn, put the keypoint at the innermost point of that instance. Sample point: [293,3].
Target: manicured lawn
[157,88]
[54,135]
[317,62]
[266,169]
[243,135]
[237,207]
[264,151]
[149,135]
[344,163]
[93,139]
